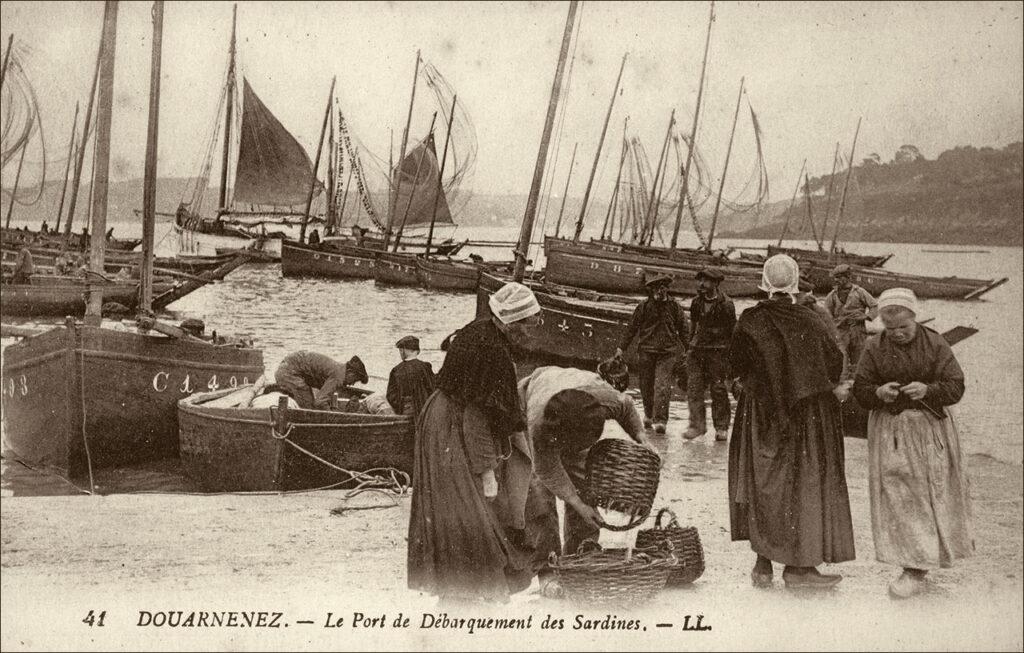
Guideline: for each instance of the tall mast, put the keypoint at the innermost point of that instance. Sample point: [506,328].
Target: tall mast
[597,155]
[67,167]
[329,214]
[792,203]
[149,185]
[17,178]
[810,213]
[652,212]
[7,59]
[684,189]
[81,149]
[542,153]
[828,200]
[415,183]
[393,200]
[615,191]
[344,200]
[440,176]
[725,168]
[101,169]
[316,163]
[223,202]
[846,187]
[565,193]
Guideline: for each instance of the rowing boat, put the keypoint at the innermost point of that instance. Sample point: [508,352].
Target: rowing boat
[239,448]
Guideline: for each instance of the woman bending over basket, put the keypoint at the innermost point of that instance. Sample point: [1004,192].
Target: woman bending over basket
[472,465]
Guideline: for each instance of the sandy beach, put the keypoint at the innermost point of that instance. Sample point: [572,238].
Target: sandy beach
[133,554]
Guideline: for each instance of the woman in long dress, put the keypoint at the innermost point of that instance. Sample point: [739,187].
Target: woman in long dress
[787,484]
[920,501]
[473,462]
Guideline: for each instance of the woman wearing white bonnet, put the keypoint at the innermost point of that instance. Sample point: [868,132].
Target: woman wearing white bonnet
[787,483]
[920,503]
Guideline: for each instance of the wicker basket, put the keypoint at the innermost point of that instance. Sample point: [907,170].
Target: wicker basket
[605,576]
[685,543]
[622,476]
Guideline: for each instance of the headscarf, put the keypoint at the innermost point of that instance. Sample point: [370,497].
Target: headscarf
[904,297]
[513,302]
[781,274]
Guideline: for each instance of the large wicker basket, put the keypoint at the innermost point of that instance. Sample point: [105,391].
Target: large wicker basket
[685,544]
[596,576]
[622,476]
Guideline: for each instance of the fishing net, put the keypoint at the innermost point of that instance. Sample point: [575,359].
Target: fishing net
[20,123]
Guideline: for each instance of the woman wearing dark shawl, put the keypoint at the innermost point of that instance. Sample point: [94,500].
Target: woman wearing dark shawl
[473,463]
[787,488]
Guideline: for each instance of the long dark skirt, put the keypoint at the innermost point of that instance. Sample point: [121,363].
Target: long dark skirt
[787,482]
[457,547]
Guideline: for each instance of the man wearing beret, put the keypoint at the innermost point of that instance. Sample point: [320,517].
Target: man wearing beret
[850,307]
[310,378]
[411,381]
[712,317]
[659,327]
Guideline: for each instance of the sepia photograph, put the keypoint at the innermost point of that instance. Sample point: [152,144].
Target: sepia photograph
[518,325]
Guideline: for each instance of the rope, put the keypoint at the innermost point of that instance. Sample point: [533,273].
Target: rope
[81,394]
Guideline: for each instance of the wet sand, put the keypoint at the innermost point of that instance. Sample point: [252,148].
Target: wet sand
[66,555]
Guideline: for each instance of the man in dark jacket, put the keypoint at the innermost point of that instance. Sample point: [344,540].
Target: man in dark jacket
[713,317]
[411,381]
[659,327]
[311,378]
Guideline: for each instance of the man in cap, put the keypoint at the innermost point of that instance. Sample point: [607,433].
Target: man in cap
[411,381]
[850,307]
[712,318]
[311,378]
[473,462]
[566,410]
[659,327]
[24,267]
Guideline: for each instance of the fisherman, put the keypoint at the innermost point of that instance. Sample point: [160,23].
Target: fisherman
[787,484]
[411,381]
[24,267]
[358,233]
[85,236]
[566,410]
[45,228]
[659,327]
[110,234]
[920,500]
[473,462]
[311,378]
[850,307]
[712,318]
[314,237]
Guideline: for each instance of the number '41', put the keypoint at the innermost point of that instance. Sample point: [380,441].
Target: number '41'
[93,619]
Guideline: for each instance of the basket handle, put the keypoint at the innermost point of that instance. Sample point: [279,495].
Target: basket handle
[637,519]
[661,513]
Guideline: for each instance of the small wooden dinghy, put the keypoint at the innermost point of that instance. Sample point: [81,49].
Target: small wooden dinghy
[227,446]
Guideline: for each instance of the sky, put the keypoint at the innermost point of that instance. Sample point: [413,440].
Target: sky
[935,75]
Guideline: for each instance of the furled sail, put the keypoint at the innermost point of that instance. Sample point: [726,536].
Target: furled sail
[273,169]
[419,171]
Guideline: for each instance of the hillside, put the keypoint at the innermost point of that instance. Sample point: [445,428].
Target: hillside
[966,196]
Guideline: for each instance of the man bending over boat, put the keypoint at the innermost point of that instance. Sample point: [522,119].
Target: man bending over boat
[311,378]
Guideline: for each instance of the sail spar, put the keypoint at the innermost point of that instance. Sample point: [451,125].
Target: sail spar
[419,171]
[273,168]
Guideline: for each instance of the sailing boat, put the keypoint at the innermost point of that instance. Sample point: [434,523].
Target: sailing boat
[273,174]
[85,396]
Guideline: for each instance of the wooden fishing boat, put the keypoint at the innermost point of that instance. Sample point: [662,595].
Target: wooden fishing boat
[114,262]
[410,244]
[53,296]
[626,273]
[578,327]
[447,274]
[393,269]
[875,281]
[11,237]
[825,258]
[78,395]
[327,261]
[229,449]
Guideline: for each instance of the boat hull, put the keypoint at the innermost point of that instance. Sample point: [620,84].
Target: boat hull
[394,269]
[236,449]
[876,281]
[61,296]
[79,396]
[824,258]
[206,244]
[327,262]
[448,276]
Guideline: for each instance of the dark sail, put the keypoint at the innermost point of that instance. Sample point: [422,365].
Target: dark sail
[419,172]
[273,169]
